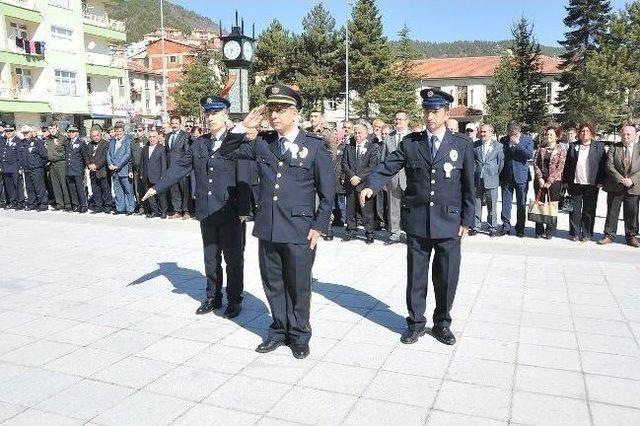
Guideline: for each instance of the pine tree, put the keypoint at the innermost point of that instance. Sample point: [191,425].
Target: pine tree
[399,91]
[197,78]
[370,54]
[320,59]
[527,63]
[588,20]
[503,95]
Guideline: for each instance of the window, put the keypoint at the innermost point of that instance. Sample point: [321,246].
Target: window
[60,3]
[173,59]
[23,79]
[61,33]
[147,104]
[65,83]
[89,90]
[548,93]
[462,95]
[17,30]
[332,104]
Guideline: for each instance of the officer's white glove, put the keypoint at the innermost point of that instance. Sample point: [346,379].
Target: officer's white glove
[365,194]
[150,193]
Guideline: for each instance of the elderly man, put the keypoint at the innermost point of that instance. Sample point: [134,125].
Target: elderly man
[119,163]
[438,209]
[489,160]
[622,184]
[357,162]
[95,158]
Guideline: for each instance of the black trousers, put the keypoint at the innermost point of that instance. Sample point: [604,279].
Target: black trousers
[553,193]
[76,190]
[285,269]
[11,181]
[180,196]
[37,196]
[584,199]
[138,190]
[353,208]
[629,205]
[223,238]
[3,195]
[156,204]
[101,188]
[446,271]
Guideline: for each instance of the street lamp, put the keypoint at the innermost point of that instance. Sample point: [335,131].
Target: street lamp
[346,61]
[164,66]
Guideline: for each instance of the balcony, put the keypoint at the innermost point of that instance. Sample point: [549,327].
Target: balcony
[106,60]
[21,9]
[103,26]
[15,99]
[12,54]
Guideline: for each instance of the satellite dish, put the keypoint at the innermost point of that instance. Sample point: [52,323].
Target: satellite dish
[91,45]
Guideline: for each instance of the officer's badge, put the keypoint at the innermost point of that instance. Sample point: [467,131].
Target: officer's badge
[304,152]
[294,148]
[275,90]
[448,167]
[453,154]
[209,100]
[430,94]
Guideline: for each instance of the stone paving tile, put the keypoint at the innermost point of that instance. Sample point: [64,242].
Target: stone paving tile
[441,418]
[37,417]
[311,406]
[605,415]
[145,408]
[478,400]
[206,415]
[401,388]
[234,394]
[613,390]
[528,409]
[369,412]
[550,381]
[188,383]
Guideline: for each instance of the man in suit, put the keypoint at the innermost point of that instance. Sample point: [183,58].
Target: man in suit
[95,158]
[489,161]
[75,170]
[357,162]
[392,191]
[295,168]
[176,145]
[153,167]
[437,211]
[139,141]
[223,203]
[119,163]
[515,176]
[10,148]
[34,158]
[622,184]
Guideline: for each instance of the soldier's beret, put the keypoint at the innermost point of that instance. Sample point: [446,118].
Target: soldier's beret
[283,94]
[214,103]
[435,98]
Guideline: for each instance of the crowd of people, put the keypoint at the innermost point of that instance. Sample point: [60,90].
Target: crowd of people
[45,169]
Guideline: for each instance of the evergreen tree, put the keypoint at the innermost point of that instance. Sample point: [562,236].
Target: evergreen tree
[320,58]
[370,54]
[399,91]
[588,20]
[503,95]
[528,66]
[197,78]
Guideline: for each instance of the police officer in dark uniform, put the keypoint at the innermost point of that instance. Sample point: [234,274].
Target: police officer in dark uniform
[34,157]
[75,148]
[10,148]
[437,211]
[294,166]
[223,202]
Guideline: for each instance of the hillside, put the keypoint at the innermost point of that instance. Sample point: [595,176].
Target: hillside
[143,16]
[426,49]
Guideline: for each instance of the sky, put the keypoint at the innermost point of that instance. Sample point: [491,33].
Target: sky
[428,20]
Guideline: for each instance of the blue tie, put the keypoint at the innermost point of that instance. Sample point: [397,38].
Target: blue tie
[283,148]
[432,146]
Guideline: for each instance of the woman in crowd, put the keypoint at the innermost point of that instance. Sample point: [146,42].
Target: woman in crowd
[584,174]
[548,164]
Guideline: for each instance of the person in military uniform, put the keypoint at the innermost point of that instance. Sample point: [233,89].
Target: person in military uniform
[139,142]
[318,126]
[222,204]
[33,159]
[75,170]
[294,167]
[10,148]
[57,153]
[437,211]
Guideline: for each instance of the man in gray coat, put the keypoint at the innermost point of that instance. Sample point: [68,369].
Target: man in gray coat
[397,184]
[489,160]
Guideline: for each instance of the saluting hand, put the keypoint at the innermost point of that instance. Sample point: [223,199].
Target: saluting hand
[255,117]
[150,193]
[313,238]
[365,194]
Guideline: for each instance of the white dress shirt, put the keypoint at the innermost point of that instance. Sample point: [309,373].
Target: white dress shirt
[582,173]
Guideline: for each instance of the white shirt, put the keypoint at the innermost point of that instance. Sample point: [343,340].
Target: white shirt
[439,134]
[218,137]
[151,148]
[486,148]
[582,176]
[291,136]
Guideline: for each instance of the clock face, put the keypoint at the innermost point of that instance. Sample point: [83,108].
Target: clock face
[231,50]
[247,49]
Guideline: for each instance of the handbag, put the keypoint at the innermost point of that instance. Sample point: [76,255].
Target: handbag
[543,212]
[565,205]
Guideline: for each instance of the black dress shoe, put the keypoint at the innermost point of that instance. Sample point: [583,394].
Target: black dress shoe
[443,334]
[519,234]
[411,336]
[300,351]
[269,346]
[493,233]
[472,232]
[349,236]
[128,213]
[18,207]
[83,210]
[328,237]
[369,239]
[209,305]
[233,310]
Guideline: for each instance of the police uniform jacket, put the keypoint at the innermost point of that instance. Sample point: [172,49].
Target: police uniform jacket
[56,148]
[10,155]
[34,154]
[369,158]
[75,159]
[434,205]
[286,209]
[96,153]
[219,192]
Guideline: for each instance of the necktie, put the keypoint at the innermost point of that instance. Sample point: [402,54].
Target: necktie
[282,145]
[626,162]
[357,152]
[171,140]
[434,139]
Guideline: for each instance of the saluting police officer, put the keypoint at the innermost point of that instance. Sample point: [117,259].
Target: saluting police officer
[437,211]
[223,202]
[293,167]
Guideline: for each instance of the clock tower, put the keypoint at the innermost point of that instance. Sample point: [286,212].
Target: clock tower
[237,55]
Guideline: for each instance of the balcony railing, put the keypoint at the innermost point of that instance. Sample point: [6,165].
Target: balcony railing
[106,60]
[15,93]
[103,21]
[25,4]
[9,45]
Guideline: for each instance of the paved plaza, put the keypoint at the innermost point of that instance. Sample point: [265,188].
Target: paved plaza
[97,326]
